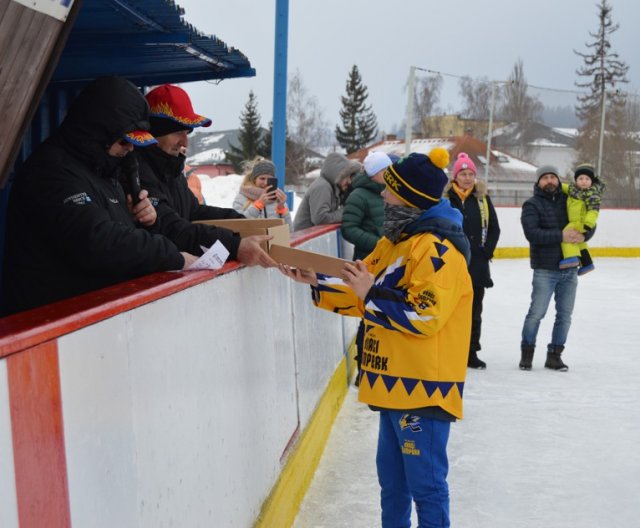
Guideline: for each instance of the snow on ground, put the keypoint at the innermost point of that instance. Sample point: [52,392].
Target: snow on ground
[536,449]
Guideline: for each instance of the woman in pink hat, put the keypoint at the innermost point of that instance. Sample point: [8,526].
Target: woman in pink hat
[480,224]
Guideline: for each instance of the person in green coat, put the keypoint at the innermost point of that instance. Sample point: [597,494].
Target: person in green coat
[363,218]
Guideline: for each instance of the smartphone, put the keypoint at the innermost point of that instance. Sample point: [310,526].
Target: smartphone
[273,183]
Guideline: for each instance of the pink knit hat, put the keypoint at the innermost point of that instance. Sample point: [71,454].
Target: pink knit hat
[463,161]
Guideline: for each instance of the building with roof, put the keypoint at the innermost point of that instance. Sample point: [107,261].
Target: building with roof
[510,180]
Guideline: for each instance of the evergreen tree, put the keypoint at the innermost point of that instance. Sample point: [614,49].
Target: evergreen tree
[250,135]
[359,124]
[264,150]
[602,73]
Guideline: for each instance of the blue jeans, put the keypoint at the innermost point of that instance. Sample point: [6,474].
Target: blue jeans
[412,465]
[560,284]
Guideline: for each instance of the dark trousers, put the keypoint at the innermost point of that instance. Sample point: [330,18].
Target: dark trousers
[359,345]
[476,317]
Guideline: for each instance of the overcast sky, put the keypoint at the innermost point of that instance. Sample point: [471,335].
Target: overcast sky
[481,38]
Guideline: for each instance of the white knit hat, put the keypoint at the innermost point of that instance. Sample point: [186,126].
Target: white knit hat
[375,162]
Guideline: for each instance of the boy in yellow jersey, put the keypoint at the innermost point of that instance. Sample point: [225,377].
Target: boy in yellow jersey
[415,294]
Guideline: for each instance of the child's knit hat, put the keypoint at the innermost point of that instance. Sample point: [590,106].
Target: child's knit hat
[419,180]
[587,169]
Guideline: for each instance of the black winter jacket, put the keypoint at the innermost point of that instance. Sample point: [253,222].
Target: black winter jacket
[162,175]
[543,218]
[68,227]
[472,225]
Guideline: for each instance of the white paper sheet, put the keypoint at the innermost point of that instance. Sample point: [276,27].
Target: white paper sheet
[213,258]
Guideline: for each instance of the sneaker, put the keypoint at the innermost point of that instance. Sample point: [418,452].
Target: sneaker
[475,362]
[571,262]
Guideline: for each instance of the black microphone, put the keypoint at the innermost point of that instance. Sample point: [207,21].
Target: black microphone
[132,175]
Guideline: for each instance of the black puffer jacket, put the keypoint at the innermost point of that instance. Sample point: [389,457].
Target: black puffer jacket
[472,225]
[68,228]
[177,207]
[543,218]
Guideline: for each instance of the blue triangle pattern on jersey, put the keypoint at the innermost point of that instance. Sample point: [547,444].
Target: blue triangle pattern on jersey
[389,381]
[441,248]
[409,384]
[437,263]
[371,377]
[445,387]
[430,387]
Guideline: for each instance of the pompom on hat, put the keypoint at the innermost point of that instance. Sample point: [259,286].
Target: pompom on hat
[171,111]
[463,161]
[375,162]
[418,180]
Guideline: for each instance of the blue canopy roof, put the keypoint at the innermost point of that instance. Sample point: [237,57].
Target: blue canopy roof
[146,41]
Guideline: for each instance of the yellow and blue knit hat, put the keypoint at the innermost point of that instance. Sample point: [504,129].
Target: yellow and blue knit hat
[417,179]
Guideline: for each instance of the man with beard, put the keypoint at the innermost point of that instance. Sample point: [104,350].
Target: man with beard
[70,228]
[543,219]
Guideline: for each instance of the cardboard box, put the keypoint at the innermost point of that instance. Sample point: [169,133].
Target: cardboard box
[307,260]
[260,226]
[278,247]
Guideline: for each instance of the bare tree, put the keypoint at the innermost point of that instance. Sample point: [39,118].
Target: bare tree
[602,73]
[520,108]
[306,124]
[426,98]
[476,95]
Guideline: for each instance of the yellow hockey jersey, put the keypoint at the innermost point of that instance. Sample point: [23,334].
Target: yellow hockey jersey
[418,323]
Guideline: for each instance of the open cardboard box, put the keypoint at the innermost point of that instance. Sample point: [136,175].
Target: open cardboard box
[256,226]
[278,246]
[307,260]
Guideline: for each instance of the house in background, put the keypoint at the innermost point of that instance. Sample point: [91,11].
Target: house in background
[510,180]
[539,144]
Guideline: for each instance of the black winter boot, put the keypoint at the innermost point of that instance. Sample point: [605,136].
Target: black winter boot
[526,357]
[554,361]
[475,362]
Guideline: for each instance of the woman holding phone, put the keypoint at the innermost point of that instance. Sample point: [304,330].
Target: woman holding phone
[259,196]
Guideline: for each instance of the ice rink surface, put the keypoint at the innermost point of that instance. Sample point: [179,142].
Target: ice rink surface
[536,449]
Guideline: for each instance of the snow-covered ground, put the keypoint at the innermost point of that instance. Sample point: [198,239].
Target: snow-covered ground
[536,449]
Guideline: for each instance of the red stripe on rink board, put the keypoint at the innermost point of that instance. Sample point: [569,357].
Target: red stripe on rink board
[38,437]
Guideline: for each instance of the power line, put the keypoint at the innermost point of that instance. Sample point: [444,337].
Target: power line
[558,90]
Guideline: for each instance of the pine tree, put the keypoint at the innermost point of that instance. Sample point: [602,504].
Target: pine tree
[603,72]
[250,135]
[359,124]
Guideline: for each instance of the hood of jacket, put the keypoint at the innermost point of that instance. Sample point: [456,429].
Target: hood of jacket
[336,166]
[443,220]
[102,113]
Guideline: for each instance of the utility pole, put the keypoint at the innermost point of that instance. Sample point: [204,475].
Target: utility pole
[411,88]
[489,133]
[602,121]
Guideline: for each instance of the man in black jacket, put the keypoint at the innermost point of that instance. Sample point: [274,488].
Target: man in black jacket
[161,173]
[69,227]
[543,218]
